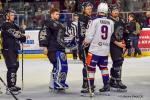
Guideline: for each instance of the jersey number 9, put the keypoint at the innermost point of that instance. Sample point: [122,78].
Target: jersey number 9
[104,32]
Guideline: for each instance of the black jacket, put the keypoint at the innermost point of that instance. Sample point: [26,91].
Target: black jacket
[115,51]
[11,36]
[48,35]
[82,26]
[131,27]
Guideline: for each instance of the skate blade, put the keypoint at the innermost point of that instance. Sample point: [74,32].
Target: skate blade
[118,90]
[1,92]
[57,90]
[104,93]
[87,94]
[66,88]
[14,92]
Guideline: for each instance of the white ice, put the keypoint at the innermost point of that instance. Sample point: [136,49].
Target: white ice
[136,75]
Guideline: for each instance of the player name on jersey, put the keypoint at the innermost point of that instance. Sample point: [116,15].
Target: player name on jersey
[105,22]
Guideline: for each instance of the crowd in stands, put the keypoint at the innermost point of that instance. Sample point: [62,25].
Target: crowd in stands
[33,13]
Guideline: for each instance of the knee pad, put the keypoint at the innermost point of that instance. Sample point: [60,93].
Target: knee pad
[13,67]
[118,63]
[115,73]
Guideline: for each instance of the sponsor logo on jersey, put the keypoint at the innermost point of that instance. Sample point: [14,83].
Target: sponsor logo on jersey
[103,43]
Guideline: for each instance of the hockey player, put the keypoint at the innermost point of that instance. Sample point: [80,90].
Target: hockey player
[84,19]
[116,49]
[48,39]
[98,36]
[11,38]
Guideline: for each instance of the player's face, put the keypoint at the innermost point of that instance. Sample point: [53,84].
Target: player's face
[115,13]
[10,17]
[88,10]
[55,15]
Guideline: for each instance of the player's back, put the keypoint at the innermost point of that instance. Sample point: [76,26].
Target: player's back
[102,29]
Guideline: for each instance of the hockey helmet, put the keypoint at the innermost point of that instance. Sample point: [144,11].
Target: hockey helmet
[102,7]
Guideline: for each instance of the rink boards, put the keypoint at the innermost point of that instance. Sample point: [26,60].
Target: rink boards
[32,49]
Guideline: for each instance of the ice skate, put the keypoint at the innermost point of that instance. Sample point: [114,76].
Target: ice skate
[118,86]
[105,91]
[65,86]
[56,88]
[106,88]
[0,91]
[15,90]
[86,92]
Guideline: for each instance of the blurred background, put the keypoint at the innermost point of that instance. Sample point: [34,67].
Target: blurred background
[34,12]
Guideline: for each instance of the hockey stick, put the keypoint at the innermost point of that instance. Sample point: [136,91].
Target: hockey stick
[124,52]
[9,89]
[22,64]
[86,67]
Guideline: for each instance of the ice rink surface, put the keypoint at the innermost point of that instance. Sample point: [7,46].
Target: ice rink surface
[136,75]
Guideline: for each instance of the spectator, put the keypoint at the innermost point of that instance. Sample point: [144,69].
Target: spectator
[148,19]
[39,17]
[134,31]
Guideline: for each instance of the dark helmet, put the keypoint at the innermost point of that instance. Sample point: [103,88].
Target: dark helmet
[86,4]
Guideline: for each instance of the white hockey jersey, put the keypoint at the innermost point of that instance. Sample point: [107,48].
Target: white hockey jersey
[98,35]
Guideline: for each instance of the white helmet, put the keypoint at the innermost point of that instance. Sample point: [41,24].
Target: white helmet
[102,7]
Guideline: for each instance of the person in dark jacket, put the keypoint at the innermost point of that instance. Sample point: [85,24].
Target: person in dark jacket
[116,50]
[84,20]
[49,37]
[134,31]
[12,35]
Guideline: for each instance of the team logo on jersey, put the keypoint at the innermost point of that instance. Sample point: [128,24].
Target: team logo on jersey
[63,56]
[43,34]
[62,76]
[119,33]
[54,24]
